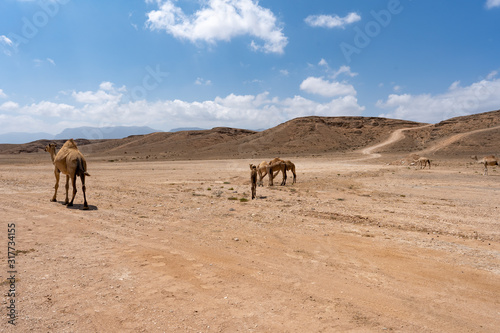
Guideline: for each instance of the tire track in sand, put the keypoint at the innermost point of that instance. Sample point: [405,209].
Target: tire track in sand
[394,137]
[399,135]
[449,140]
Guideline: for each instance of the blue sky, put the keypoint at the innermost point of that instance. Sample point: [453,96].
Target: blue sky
[243,63]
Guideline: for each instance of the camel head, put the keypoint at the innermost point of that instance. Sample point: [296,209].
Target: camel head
[252,167]
[50,148]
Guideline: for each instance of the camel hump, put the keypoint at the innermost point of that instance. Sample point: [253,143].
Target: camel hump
[70,144]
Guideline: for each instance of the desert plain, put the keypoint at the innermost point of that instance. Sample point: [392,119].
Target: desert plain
[362,242]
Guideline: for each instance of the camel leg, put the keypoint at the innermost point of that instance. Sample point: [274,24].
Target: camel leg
[294,176]
[57,173]
[73,182]
[67,189]
[85,205]
[283,182]
[261,178]
[485,170]
[270,175]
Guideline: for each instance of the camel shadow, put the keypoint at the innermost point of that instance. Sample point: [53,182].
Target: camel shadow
[80,207]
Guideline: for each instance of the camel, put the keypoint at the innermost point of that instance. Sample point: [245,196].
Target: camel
[273,169]
[423,162]
[262,172]
[70,161]
[289,166]
[490,160]
[253,179]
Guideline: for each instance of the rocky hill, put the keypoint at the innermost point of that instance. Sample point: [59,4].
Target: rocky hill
[476,134]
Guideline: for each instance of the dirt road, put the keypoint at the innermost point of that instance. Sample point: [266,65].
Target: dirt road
[175,247]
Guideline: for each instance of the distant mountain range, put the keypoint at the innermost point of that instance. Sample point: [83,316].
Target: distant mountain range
[90,133]
[180,129]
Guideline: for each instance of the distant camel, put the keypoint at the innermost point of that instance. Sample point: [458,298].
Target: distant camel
[423,162]
[253,179]
[273,169]
[70,161]
[490,160]
[289,166]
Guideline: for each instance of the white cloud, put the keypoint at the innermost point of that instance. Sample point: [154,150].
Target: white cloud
[49,109]
[220,20]
[10,123]
[342,106]
[5,40]
[106,86]
[9,106]
[2,94]
[334,73]
[319,86]
[284,72]
[7,45]
[39,62]
[492,74]
[106,94]
[110,108]
[202,82]
[328,21]
[492,3]
[457,101]
[344,70]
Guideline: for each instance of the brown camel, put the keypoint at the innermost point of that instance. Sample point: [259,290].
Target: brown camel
[423,162]
[262,172]
[490,160]
[70,161]
[289,166]
[273,169]
[253,179]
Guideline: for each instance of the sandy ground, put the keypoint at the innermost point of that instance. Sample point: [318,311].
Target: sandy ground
[355,246]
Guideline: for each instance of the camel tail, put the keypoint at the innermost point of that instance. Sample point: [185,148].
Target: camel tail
[80,168]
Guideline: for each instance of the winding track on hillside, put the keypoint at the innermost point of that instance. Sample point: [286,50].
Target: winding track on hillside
[394,137]
[449,140]
[399,135]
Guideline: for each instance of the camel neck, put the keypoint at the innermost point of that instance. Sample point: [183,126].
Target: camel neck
[53,155]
